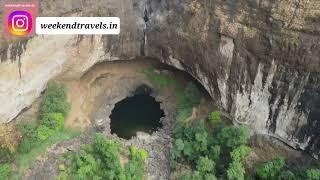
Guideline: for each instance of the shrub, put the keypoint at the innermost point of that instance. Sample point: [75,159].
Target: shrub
[240,153]
[270,169]
[5,171]
[313,174]
[134,169]
[9,137]
[194,175]
[101,160]
[108,152]
[53,121]
[87,166]
[287,175]
[215,117]
[44,132]
[27,144]
[30,137]
[194,139]
[236,171]
[214,152]
[231,137]
[54,101]
[205,165]
[27,129]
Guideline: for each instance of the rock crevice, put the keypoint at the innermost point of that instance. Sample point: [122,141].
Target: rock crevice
[258,59]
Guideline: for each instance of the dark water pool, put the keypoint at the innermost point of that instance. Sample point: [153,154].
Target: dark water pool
[138,113]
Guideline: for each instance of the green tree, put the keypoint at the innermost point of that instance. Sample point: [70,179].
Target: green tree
[236,171]
[240,153]
[176,151]
[313,174]
[107,151]
[270,169]
[232,137]
[205,165]
[214,152]
[87,166]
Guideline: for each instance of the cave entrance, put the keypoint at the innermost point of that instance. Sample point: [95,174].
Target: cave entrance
[140,112]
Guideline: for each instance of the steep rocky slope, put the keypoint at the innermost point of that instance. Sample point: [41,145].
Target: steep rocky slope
[259,59]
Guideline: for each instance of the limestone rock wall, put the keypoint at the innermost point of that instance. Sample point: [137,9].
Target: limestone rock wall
[259,59]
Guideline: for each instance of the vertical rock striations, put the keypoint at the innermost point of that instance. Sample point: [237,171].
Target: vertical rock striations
[259,59]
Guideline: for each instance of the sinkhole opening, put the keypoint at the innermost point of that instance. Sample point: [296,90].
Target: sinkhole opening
[141,112]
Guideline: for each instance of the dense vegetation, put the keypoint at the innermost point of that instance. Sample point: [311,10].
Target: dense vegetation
[101,160]
[23,143]
[205,149]
[212,149]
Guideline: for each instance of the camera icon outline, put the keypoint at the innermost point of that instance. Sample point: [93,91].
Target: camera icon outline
[20,18]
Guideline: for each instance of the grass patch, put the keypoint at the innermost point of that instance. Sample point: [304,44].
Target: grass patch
[25,160]
[158,79]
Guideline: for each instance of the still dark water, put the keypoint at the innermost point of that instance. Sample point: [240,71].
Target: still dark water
[137,113]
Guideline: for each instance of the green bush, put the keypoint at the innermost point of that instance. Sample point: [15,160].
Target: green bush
[30,137]
[108,152]
[193,140]
[53,121]
[87,166]
[44,132]
[214,152]
[54,101]
[101,160]
[287,175]
[215,117]
[36,138]
[221,146]
[270,169]
[134,169]
[232,137]
[313,174]
[27,144]
[195,175]
[240,153]
[5,171]
[27,129]
[236,171]
[205,165]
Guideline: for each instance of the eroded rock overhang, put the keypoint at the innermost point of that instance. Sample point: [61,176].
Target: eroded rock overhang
[258,60]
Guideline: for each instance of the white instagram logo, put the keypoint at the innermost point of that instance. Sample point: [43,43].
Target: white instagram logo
[20,23]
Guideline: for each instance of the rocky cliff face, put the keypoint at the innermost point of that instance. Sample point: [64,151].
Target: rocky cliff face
[259,59]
